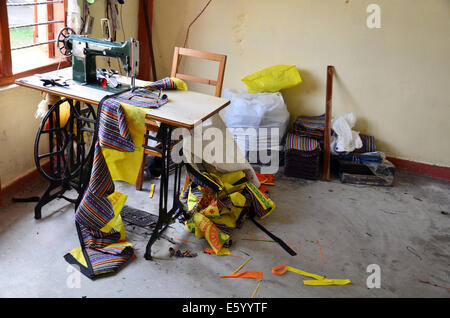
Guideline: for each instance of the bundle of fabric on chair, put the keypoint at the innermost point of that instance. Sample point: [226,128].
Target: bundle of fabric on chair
[302,157]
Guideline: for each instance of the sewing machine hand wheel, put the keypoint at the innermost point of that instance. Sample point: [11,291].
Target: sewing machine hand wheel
[68,129]
[63,43]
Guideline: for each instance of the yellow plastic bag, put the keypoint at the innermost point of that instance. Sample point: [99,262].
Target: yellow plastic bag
[273,79]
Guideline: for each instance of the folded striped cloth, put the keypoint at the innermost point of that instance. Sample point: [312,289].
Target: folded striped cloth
[163,84]
[368,144]
[146,97]
[311,126]
[168,83]
[297,142]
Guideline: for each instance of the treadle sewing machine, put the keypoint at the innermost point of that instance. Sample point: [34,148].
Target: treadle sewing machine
[69,125]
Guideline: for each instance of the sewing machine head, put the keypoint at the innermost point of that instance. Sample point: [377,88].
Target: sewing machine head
[84,50]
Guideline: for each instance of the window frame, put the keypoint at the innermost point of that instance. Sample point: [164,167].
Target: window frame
[7,76]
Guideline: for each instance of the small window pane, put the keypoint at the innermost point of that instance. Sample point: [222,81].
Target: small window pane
[29,57]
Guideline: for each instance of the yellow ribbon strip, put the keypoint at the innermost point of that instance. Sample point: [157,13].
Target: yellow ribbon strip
[318,280]
[257,287]
[240,267]
[152,191]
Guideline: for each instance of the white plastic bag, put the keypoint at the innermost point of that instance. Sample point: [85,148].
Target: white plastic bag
[255,110]
[253,117]
[346,139]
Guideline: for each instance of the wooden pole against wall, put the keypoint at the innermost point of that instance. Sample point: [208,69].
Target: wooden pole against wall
[327,133]
[146,56]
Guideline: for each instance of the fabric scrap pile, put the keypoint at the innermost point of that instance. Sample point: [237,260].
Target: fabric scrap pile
[217,203]
[365,165]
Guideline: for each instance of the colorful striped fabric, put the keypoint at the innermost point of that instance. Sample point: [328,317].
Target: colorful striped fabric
[95,210]
[165,83]
[312,126]
[103,247]
[368,144]
[113,130]
[294,141]
[143,97]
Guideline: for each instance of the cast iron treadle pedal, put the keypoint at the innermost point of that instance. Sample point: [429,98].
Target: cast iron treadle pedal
[138,217]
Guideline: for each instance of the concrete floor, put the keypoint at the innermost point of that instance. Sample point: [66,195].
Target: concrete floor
[405,230]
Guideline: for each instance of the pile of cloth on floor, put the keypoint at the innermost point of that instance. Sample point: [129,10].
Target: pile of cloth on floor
[355,156]
[364,165]
[216,203]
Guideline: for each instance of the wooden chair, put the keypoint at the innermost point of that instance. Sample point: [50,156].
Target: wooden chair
[153,126]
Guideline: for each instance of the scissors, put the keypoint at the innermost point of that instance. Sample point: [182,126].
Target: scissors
[317,281]
[53,82]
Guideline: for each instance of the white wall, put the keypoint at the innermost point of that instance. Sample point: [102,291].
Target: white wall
[395,79]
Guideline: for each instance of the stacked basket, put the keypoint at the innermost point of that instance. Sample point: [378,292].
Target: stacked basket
[302,157]
[303,147]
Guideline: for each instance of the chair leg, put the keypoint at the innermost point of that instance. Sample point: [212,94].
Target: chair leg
[186,181]
[140,178]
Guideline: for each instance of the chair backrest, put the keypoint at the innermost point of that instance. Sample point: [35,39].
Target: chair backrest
[222,59]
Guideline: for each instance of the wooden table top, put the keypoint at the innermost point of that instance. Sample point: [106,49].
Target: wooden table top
[184,109]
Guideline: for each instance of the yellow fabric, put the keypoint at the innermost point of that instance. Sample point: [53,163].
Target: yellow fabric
[208,214]
[263,200]
[206,228]
[118,200]
[240,267]
[318,280]
[273,79]
[64,113]
[152,191]
[192,200]
[77,253]
[225,181]
[211,211]
[181,85]
[124,166]
[232,177]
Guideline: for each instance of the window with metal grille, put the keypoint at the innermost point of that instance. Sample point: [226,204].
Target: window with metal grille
[28,31]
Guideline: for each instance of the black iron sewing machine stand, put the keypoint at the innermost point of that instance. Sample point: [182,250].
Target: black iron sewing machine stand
[69,162]
[166,217]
